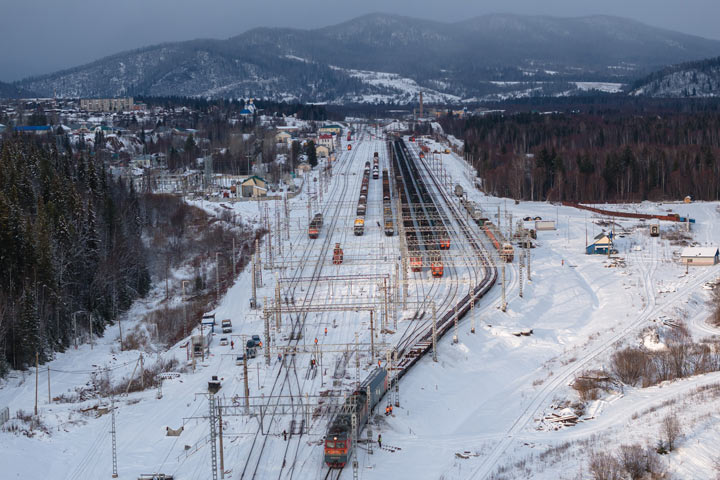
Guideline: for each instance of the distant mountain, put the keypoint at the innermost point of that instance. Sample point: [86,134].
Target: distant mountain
[381,57]
[691,79]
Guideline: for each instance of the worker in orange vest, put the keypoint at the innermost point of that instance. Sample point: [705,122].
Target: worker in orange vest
[326,331]
[315,340]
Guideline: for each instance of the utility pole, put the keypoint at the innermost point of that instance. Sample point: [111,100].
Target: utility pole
[369,426]
[253,299]
[213,436]
[266,316]
[233,258]
[49,397]
[114,440]
[37,365]
[527,252]
[372,339]
[220,427]
[245,375]
[520,270]
[387,311]
[142,372]
[434,332]
[455,335]
[217,276]
[504,302]
[184,308]
[472,312]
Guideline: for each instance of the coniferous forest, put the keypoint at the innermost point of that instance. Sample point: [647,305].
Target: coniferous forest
[595,157]
[70,244]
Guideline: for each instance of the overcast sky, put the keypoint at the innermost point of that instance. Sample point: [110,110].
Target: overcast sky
[42,36]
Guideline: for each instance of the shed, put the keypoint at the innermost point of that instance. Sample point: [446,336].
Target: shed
[254,186]
[699,256]
[322,151]
[602,244]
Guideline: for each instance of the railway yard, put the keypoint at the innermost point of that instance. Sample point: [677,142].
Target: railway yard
[382,285]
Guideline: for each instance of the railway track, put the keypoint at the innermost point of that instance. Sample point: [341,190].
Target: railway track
[411,351]
[290,371]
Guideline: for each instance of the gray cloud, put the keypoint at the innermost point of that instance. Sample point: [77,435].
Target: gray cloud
[42,36]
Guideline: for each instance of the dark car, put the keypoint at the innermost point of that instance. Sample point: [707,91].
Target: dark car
[257,341]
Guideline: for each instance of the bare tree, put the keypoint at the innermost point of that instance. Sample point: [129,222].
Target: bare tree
[670,430]
[629,365]
[604,466]
[632,458]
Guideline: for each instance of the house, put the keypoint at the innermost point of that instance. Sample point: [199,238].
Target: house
[326,140]
[283,137]
[603,243]
[699,256]
[303,167]
[254,186]
[331,129]
[322,151]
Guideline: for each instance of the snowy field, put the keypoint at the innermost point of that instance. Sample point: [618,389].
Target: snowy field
[479,412]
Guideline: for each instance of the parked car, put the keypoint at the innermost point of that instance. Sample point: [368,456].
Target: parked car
[239,359]
[226,326]
[223,340]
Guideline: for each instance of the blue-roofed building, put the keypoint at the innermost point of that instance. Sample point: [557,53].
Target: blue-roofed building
[249,109]
[37,129]
[602,244]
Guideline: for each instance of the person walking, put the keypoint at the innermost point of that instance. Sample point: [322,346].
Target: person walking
[285,435]
[232,345]
[379,441]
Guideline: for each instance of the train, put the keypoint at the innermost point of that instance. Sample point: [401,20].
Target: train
[387,207]
[315,226]
[339,436]
[359,227]
[474,212]
[337,255]
[349,147]
[424,226]
[504,249]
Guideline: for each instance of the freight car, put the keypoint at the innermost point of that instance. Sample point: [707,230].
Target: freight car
[339,437]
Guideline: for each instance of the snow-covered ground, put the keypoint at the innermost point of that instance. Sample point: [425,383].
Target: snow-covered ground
[478,411]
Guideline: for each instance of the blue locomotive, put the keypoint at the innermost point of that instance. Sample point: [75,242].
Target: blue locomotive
[338,441]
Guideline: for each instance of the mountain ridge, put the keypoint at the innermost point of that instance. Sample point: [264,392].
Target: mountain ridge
[466,59]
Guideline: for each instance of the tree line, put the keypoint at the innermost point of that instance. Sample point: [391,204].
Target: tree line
[70,245]
[587,157]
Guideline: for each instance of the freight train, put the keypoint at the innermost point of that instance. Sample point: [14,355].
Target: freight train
[387,207]
[339,437]
[424,228]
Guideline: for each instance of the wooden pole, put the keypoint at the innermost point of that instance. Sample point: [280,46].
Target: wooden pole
[37,363]
[49,397]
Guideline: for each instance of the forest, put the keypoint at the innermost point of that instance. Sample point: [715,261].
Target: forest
[615,156]
[70,247]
